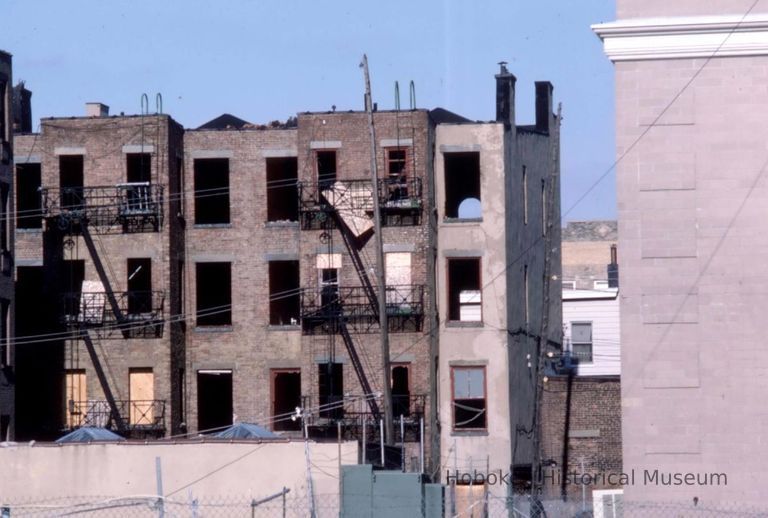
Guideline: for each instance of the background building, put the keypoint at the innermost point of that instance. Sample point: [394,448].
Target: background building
[7,349]
[583,399]
[691,139]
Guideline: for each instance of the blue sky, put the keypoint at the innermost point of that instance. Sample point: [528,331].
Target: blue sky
[267,59]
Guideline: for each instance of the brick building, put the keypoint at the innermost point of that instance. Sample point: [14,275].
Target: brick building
[582,409]
[7,350]
[254,245]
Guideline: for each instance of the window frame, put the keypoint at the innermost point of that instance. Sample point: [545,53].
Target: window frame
[481,368]
[591,342]
[448,290]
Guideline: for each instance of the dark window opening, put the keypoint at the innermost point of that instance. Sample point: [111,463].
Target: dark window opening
[326,168]
[469,405]
[28,199]
[5,220]
[5,353]
[401,391]
[329,289]
[214,294]
[331,390]
[211,191]
[71,181]
[5,425]
[284,300]
[286,397]
[214,399]
[139,167]
[72,277]
[462,185]
[139,286]
[3,113]
[464,290]
[397,177]
[282,191]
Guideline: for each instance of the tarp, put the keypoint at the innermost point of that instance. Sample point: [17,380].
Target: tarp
[245,431]
[89,434]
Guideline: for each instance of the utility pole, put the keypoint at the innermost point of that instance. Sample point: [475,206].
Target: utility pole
[389,425]
[541,349]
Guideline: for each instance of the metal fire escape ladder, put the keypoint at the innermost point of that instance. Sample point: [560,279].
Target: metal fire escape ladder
[366,386]
[121,320]
[113,410]
[358,263]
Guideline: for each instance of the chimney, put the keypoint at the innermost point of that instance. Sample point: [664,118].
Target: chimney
[543,105]
[613,269]
[22,109]
[96,110]
[505,96]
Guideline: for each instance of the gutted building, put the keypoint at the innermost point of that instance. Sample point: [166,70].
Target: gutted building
[229,273]
[498,265]
[100,247]
[7,349]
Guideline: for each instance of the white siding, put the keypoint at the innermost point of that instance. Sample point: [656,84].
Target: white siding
[604,315]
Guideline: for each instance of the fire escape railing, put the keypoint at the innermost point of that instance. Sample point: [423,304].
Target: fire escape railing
[142,314]
[125,207]
[400,200]
[352,412]
[136,415]
[323,308]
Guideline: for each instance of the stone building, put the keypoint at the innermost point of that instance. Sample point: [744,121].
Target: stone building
[691,142]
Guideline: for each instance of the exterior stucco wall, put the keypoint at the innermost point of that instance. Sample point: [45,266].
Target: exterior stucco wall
[483,344]
[207,470]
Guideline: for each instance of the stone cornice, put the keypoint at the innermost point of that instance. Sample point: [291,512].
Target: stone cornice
[684,37]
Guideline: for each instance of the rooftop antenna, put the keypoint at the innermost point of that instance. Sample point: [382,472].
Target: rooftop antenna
[159,103]
[413,95]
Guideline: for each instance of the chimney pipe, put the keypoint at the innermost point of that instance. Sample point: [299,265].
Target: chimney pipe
[96,110]
[505,96]
[543,105]
[613,269]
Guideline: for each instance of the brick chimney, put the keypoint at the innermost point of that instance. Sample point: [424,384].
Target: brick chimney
[505,96]
[543,105]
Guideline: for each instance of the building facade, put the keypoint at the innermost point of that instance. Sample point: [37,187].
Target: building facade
[691,198]
[7,349]
[231,275]
[497,197]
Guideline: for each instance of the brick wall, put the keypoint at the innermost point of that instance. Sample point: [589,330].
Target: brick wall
[594,438]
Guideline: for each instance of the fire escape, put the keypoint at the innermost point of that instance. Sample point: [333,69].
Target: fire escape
[347,206]
[97,312]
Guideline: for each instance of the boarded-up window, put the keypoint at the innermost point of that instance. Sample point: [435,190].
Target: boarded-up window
[470,501]
[75,398]
[141,394]
[398,277]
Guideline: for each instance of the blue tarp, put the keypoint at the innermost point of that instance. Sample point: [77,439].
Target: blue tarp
[245,431]
[89,434]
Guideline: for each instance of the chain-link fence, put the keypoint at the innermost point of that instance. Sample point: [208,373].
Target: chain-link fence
[288,505]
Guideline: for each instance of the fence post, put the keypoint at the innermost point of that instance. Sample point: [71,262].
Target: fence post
[159,480]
